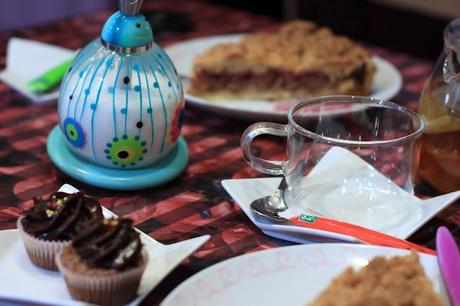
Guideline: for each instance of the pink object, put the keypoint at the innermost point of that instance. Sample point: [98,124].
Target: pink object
[449,263]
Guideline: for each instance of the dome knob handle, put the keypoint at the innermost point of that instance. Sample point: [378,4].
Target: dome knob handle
[130,7]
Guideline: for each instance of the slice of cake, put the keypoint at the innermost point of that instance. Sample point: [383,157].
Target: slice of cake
[398,281]
[299,61]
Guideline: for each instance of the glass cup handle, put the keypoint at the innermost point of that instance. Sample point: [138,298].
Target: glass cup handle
[272,167]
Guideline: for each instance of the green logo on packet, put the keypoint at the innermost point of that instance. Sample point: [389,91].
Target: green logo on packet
[308,218]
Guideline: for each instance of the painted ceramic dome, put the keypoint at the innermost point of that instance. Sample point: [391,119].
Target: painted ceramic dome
[121,102]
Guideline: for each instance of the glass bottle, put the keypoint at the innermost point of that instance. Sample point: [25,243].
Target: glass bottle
[440,109]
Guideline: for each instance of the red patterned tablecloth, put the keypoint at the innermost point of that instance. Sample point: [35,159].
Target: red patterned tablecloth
[195,203]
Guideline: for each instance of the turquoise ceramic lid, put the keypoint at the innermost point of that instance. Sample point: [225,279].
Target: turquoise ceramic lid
[127,28]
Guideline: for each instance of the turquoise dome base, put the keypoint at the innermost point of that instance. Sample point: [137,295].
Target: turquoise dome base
[159,173]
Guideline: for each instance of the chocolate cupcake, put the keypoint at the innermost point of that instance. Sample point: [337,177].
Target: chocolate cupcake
[49,225]
[104,263]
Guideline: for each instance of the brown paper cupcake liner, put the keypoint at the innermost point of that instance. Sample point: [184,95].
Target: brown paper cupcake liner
[113,289]
[41,252]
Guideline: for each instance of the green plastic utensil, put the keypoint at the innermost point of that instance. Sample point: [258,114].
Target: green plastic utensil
[50,79]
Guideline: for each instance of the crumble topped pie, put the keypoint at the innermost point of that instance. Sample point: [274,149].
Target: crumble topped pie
[301,60]
[397,281]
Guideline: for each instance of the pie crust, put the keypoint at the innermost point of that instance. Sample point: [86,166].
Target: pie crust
[300,60]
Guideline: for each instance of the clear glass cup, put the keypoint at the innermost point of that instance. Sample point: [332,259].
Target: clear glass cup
[381,133]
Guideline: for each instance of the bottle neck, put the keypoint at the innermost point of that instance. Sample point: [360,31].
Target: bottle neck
[452,48]
[451,67]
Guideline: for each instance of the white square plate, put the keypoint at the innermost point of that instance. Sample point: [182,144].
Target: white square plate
[27,60]
[394,212]
[29,283]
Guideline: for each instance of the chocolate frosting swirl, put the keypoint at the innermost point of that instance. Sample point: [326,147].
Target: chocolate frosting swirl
[110,244]
[58,217]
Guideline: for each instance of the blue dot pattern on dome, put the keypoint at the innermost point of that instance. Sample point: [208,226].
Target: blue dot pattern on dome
[127,31]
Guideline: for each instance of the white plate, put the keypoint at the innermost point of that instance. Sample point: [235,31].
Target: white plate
[29,283]
[333,193]
[292,275]
[27,60]
[387,82]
